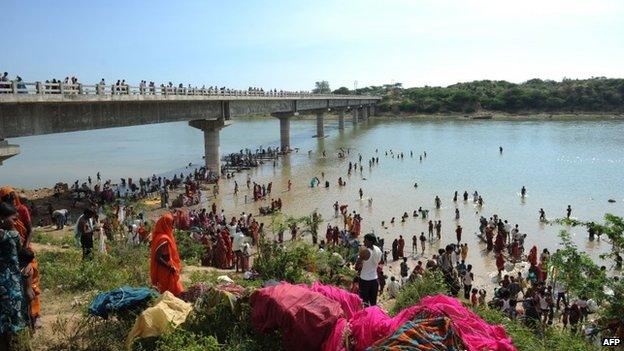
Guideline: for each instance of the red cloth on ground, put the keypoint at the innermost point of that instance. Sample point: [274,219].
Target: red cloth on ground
[305,318]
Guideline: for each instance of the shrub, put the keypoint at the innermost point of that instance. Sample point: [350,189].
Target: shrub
[431,283]
[83,333]
[288,263]
[191,251]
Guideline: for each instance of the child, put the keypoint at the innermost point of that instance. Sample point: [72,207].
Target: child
[474,301]
[565,316]
[482,294]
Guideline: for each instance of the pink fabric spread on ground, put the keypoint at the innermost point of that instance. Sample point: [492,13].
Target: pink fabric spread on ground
[373,324]
[306,318]
[474,331]
[334,341]
[350,303]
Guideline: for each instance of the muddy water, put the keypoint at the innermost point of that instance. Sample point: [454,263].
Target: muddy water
[580,163]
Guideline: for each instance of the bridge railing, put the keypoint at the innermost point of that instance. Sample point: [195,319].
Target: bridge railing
[60,88]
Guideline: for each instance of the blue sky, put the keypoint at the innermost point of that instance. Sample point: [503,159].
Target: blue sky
[292,44]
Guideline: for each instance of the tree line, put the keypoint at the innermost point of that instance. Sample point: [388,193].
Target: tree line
[569,95]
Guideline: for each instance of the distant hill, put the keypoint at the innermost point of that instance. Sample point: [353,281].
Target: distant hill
[536,95]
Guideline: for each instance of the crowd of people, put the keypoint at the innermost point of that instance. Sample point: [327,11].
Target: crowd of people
[70,85]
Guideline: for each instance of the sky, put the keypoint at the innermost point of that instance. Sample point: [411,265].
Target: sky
[291,44]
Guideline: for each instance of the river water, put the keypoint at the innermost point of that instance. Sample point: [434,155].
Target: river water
[580,163]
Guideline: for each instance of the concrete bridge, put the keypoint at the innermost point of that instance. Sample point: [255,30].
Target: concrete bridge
[28,109]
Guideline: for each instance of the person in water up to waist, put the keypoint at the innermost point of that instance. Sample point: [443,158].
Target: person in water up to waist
[367,262]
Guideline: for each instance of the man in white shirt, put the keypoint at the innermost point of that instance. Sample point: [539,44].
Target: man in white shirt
[367,262]
[393,288]
[237,244]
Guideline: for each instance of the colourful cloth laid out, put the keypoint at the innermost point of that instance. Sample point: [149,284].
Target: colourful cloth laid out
[475,333]
[373,324]
[168,311]
[194,292]
[426,334]
[120,300]
[305,318]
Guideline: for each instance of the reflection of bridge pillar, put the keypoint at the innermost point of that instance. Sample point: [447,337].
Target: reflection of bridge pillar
[320,131]
[285,133]
[355,115]
[211,129]
[341,116]
[7,150]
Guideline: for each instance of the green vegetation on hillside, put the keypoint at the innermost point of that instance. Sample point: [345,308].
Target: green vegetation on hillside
[570,95]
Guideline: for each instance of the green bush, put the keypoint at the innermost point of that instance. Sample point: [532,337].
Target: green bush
[191,251]
[289,263]
[431,283]
[64,271]
[525,338]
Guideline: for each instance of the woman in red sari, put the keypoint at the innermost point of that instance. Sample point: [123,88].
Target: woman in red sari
[164,259]
[532,258]
[401,246]
[220,259]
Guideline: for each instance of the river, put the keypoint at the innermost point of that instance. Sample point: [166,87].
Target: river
[580,163]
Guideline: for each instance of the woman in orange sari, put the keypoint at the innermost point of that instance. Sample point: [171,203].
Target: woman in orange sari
[164,259]
[23,225]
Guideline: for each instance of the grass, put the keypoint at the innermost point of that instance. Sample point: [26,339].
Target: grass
[42,237]
[64,271]
[525,338]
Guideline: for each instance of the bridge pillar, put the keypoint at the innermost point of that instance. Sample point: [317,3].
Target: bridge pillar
[285,133]
[320,131]
[211,129]
[341,117]
[355,115]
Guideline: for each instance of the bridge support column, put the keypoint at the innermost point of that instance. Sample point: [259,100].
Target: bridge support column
[355,115]
[341,117]
[320,131]
[285,133]
[211,129]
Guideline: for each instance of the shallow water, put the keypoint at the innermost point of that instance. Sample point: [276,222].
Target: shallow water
[580,163]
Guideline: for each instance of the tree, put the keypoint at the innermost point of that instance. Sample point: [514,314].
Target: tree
[321,87]
[342,91]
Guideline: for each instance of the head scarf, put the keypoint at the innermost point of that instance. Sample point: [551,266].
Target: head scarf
[19,222]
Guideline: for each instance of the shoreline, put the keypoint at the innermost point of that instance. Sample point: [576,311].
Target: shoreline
[481,116]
